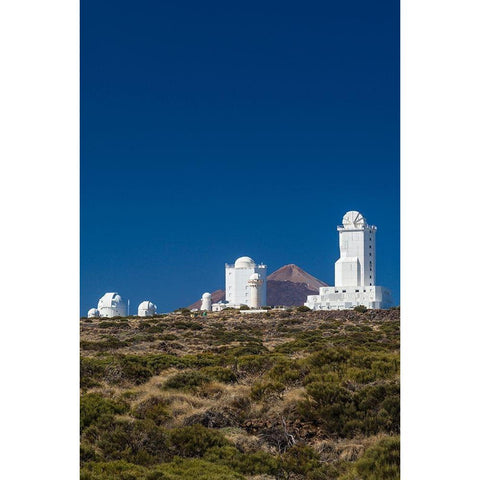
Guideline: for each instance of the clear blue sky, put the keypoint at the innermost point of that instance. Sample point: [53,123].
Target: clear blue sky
[212,130]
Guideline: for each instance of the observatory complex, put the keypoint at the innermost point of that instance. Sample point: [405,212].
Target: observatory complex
[354,270]
[246,281]
[245,284]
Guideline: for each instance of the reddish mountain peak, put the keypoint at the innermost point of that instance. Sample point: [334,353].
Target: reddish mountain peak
[293,273]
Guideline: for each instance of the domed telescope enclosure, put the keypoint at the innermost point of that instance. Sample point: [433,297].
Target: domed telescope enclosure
[237,289]
[244,262]
[206,302]
[147,309]
[112,305]
[92,313]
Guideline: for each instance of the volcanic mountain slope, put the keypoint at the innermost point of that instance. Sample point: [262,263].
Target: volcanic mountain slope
[290,286]
[287,286]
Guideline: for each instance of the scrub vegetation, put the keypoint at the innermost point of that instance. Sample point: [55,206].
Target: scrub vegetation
[281,395]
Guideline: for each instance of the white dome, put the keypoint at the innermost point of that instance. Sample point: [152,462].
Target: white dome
[111,299]
[146,308]
[207,295]
[93,312]
[254,276]
[244,262]
[112,305]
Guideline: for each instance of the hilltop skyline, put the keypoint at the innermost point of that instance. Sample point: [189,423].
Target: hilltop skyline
[213,131]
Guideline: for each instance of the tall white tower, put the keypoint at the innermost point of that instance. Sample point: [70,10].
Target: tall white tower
[237,291]
[206,302]
[354,270]
[356,265]
[255,283]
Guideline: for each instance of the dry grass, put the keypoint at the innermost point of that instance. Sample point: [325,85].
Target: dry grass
[247,421]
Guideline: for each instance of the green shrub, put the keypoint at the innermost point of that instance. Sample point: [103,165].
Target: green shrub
[118,470]
[256,463]
[253,348]
[193,469]
[382,460]
[220,374]
[299,459]
[332,358]
[111,343]
[135,369]
[187,325]
[267,391]
[186,381]
[135,441]
[112,323]
[303,308]
[360,309]
[369,410]
[254,364]
[195,440]
[94,405]
[360,375]
[154,408]
[288,372]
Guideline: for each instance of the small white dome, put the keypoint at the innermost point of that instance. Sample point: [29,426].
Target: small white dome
[146,308]
[93,312]
[146,305]
[244,262]
[254,276]
[207,295]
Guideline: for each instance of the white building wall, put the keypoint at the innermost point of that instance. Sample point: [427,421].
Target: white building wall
[356,265]
[341,298]
[237,291]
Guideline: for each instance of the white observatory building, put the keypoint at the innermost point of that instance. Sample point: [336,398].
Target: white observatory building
[238,291]
[354,270]
[112,305]
[147,309]
[206,302]
[92,313]
[255,283]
